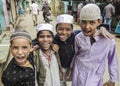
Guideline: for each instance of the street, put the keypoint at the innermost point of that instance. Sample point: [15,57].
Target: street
[27,24]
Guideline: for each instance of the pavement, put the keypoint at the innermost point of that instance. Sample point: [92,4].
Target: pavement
[25,22]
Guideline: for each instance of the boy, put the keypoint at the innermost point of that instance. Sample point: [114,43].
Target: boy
[47,60]
[20,71]
[91,52]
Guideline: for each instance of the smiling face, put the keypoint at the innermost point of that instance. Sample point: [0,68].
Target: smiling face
[20,49]
[89,27]
[45,39]
[64,31]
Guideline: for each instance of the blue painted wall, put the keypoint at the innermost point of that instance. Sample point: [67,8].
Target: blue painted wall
[2,18]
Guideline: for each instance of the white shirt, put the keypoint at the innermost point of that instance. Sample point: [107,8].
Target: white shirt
[52,69]
[34,8]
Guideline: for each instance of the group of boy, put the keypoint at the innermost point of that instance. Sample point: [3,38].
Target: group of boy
[81,58]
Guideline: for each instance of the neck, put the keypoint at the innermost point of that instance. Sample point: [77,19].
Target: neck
[47,52]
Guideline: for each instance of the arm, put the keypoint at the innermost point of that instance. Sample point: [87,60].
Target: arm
[76,50]
[69,72]
[5,81]
[103,31]
[112,66]
[38,9]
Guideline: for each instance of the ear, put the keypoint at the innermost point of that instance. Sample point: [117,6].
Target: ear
[100,21]
[9,47]
[31,49]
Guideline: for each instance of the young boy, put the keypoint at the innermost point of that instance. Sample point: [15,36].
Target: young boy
[47,63]
[20,70]
[91,52]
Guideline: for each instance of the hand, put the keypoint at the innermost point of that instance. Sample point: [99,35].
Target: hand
[104,33]
[109,84]
[55,47]
[69,73]
[35,47]
[61,75]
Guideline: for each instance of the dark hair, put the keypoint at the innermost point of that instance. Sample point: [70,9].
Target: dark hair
[59,23]
[33,1]
[41,32]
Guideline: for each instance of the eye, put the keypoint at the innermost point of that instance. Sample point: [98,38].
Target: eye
[14,47]
[25,47]
[49,36]
[41,36]
[68,29]
[92,22]
[60,28]
[83,22]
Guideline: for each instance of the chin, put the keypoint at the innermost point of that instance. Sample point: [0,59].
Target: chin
[86,34]
[63,39]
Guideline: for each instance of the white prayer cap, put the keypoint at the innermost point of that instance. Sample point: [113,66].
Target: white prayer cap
[90,12]
[45,26]
[65,18]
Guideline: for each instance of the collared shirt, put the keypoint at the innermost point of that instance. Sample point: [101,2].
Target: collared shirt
[90,60]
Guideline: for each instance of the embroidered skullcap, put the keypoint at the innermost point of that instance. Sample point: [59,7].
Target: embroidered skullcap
[90,12]
[65,18]
[21,33]
[45,26]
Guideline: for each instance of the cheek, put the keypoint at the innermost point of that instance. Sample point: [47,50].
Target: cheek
[39,40]
[58,31]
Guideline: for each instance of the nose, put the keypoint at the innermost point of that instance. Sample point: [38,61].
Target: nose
[64,31]
[20,51]
[87,25]
[45,38]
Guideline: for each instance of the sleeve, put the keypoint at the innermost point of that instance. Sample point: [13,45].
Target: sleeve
[5,81]
[113,10]
[41,71]
[37,7]
[113,64]
[76,31]
[76,51]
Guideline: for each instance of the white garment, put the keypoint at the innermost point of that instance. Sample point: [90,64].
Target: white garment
[80,6]
[34,8]
[52,69]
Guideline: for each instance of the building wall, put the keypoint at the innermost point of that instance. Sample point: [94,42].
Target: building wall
[2,18]
[5,12]
[13,9]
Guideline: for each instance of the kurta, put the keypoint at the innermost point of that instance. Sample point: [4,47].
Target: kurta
[89,61]
[52,69]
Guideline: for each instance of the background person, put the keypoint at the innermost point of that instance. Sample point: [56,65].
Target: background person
[34,9]
[109,11]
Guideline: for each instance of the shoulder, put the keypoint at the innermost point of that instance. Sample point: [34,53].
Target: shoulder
[112,41]
[9,67]
[75,32]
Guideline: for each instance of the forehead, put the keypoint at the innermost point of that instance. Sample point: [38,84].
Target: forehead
[20,41]
[89,20]
[45,32]
[64,24]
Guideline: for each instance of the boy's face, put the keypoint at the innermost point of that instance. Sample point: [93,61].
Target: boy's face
[20,49]
[45,40]
[89,27]
[64,31]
